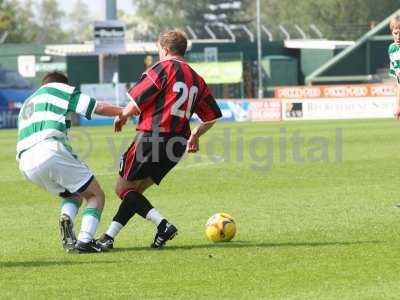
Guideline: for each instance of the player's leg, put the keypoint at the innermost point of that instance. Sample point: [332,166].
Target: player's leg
[134,202]
[129,167]
[37,165]
[140,168]
[127,209]
[40,175]
[69,209]
[51,166]
[76,178]
[170,152]
[70,205]
[95,198]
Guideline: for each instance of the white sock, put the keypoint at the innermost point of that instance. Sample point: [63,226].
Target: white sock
[90,220]
[114,229]
[154,216]
[70,208]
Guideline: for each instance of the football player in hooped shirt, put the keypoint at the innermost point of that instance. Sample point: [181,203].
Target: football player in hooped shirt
[394,56]
[165,98]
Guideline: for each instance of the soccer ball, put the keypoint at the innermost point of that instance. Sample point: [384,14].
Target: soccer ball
[220,228]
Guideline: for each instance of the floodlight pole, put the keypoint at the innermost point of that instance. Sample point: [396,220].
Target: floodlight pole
[110,14]
[111,9]
[259,51]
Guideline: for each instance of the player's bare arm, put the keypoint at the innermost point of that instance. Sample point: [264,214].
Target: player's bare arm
[106,109]
[193,144]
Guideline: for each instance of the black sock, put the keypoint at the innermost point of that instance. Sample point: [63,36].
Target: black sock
[132,203]
[125,212]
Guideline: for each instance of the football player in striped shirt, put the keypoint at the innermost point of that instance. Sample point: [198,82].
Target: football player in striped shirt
[46,158]
[394,55]
[165,98]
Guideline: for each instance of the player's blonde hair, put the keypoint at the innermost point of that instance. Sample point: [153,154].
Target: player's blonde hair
[395,23]
[176,41]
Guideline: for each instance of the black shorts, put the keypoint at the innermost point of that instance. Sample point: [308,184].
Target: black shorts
[151,155]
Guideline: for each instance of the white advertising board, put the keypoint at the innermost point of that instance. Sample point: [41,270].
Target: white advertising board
[333,108]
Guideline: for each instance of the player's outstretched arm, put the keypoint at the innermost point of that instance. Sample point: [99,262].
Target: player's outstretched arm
[193,142]
[106,109]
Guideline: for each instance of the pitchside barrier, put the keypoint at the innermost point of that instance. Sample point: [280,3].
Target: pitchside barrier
[8,117]
[289,103]
[337,101]
[302,103]
[324,102]
[232,110]
[249,110]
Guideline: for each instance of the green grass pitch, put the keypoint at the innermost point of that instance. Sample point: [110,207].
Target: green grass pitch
[306,229]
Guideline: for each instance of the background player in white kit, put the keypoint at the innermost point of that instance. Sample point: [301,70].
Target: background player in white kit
[46,159]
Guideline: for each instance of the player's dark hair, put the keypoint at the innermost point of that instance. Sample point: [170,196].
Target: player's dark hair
[176,41]
[54,76]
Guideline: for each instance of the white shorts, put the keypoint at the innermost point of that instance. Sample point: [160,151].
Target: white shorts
[52,167]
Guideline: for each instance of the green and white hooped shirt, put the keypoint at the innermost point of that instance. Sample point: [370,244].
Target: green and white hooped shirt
[394,55]
[46,114]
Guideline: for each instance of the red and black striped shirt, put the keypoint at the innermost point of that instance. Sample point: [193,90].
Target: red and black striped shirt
[168,93]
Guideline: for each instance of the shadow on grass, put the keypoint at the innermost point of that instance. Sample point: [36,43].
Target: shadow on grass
[34,264]
[249,244]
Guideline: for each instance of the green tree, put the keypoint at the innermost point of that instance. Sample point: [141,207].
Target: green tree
[80,21]
[17,20]
[350,19]
[223,11]
[25,29]
[337,19]
[154,16]
[49,23]
[7,15]
[28,21]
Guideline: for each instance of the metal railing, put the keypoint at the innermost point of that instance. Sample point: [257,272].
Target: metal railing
[235,32]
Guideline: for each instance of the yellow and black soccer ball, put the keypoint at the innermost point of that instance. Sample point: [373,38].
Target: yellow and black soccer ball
[221,227]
